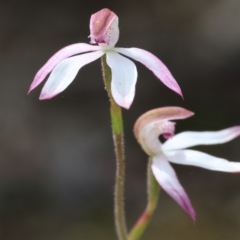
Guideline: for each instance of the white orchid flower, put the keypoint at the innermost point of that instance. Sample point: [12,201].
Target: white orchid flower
[157,122]
[104,31]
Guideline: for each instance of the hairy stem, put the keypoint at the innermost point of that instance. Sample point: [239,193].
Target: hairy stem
[153,193]
[117,130]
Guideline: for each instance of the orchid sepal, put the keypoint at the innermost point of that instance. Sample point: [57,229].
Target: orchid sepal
[60,79]
[154,64]
[167,179]
[62,54]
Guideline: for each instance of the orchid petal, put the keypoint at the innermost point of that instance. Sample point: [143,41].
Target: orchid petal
[190,139]
[166,177]
[58,57]
[203,160]
[124,78]
[154,64]
[64,73]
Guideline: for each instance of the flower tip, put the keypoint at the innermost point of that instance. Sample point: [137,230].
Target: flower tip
[190,211]
[124,104]
[181,95]
[188,208]
[127,107]
[123,101]
[238,129]
[44,96]
[179,92]
[192,214]
[31,88]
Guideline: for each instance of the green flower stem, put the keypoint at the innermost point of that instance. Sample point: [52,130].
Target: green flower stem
[153,193]
[117,129]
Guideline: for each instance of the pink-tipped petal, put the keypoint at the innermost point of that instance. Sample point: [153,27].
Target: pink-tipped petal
[124,78]
[58,57]
[153,64]
[64,73]
[190,139]
[203,160]
[166,177]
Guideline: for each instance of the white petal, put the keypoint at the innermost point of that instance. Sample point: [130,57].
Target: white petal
[166,177]
[154,64]
[124,78]
[64,73]
[203,160]
[190,139]
[58,57]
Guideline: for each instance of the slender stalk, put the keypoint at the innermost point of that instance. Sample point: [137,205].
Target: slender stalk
[153,193]
[117,130]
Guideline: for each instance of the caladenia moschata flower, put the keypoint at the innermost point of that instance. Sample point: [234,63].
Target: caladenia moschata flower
[104,31]
[157,122]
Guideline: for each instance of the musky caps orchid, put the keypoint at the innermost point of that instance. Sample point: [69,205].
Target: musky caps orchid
[157,122]
[104,31]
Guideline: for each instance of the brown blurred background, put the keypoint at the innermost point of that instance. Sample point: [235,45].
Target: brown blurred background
[56,157]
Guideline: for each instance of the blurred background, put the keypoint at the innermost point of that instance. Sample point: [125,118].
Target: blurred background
[57,162]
